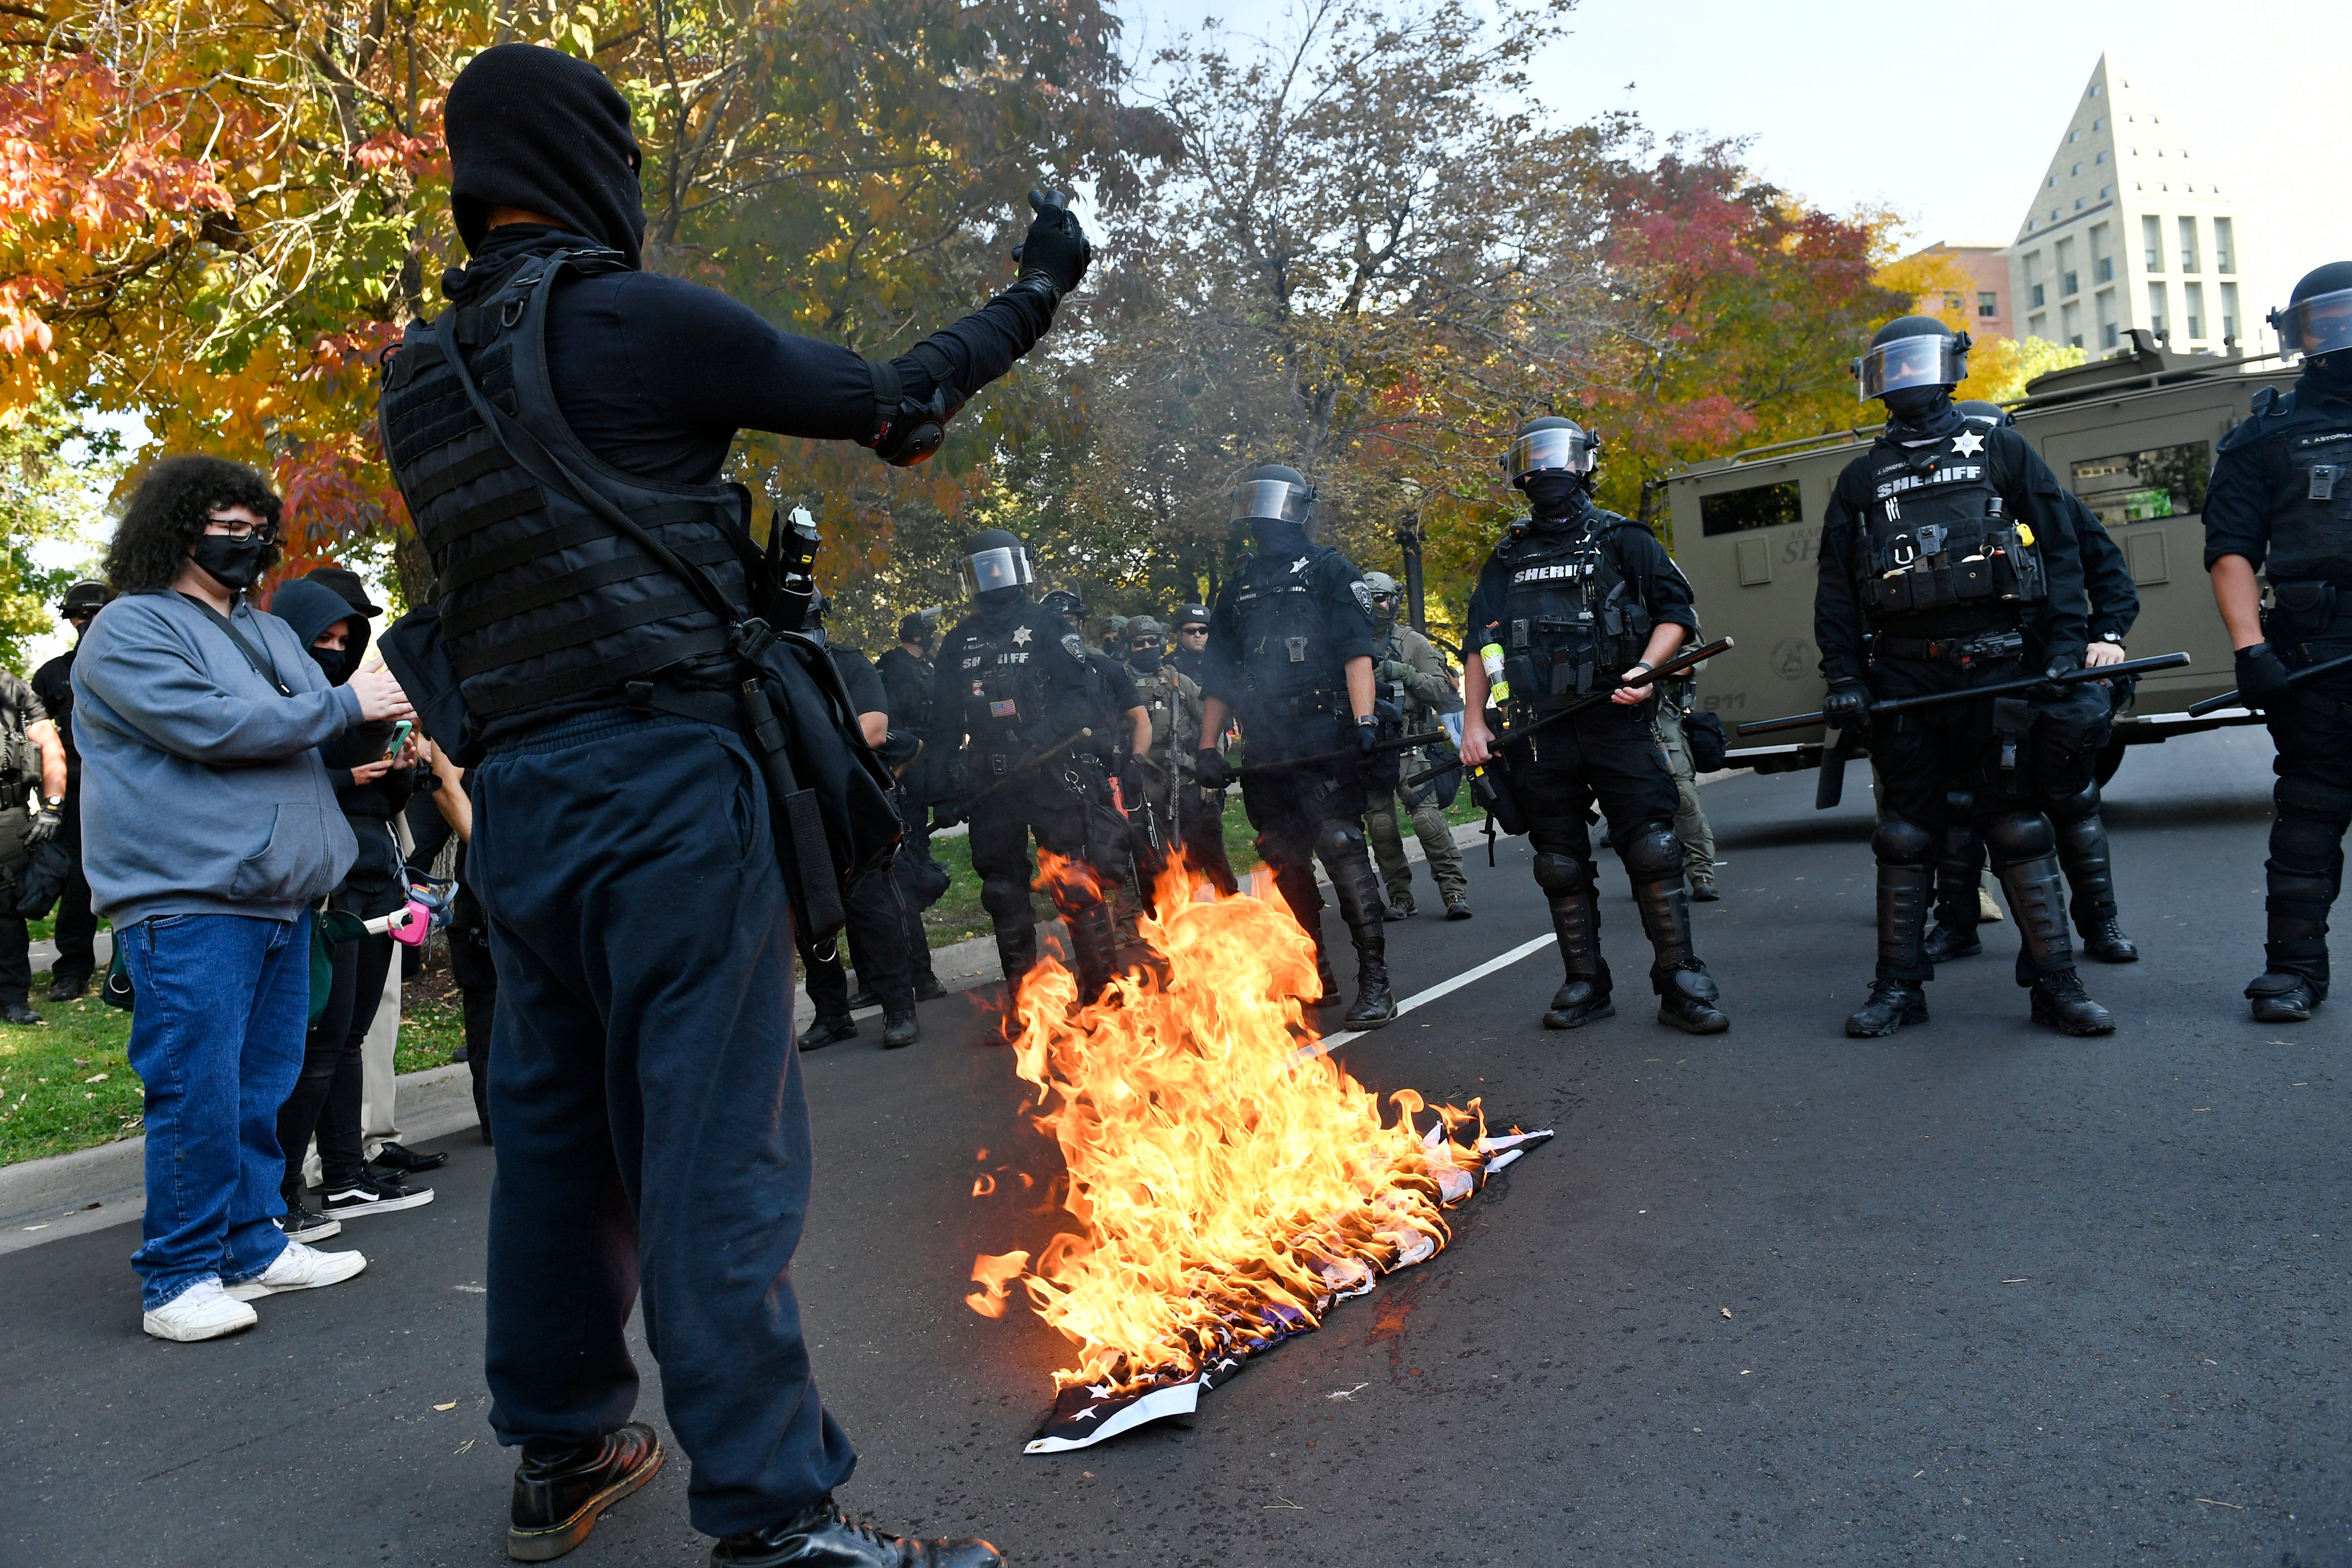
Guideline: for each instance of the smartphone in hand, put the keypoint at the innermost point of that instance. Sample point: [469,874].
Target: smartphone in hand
[400,733]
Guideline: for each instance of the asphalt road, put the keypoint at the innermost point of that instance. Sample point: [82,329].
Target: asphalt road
[1978,1294]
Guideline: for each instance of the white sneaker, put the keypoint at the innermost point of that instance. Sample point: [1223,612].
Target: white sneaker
[201,1312]
[299,1268]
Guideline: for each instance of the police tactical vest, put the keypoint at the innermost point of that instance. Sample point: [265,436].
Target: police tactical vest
[1572,618]
[1286,655]
[1934,534]
[1026,685]
[1163,701]
[2311,498]
[540,599]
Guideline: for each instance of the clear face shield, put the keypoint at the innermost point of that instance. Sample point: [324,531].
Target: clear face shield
[1275,500]
[1930,359]
[2319,325]
[988,569]
[1564,449]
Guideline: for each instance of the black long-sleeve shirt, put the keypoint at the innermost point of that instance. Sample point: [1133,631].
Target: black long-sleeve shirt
[2058,627]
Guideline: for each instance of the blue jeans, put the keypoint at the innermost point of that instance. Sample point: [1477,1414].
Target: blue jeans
[216,1038]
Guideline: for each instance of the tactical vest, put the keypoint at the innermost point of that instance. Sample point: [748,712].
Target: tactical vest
[540,599]
[2311,511]
[1163,701]
[1935,537]
[1572,619]
[1286,659]
[1025,686]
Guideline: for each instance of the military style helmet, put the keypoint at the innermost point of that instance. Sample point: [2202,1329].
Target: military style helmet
[1274,494]
[1912,350]
[1062,602]
[1977,411]
[1118,625]
[1551,445]
[915,628]
[1192,615]
[993,559]
[1143,628]
[2318,317]
[85,598]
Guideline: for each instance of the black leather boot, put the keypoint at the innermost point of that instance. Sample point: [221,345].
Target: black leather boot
[2036,885]
[1902,894]
[2282,998]
[2295,949]
[560,1490]
[900,1029]
[1016,951]
[1583,995]
[824,1537]
[1094,943]
[2090,874]
[822,1032]
[1686,993]
[2059,1000]
[1358,888]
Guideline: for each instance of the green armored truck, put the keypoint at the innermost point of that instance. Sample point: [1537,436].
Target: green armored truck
[2133,434]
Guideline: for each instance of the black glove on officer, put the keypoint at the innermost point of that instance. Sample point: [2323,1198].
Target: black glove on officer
[1055,253]
[2051,688]
[1847,705]
[1210,769]
[45,823]
[1367,734]
[2260,672]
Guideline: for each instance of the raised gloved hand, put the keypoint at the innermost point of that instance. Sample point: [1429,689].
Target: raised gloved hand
[1056,252]
[1210,769]
[45,823]
[1847,705]
[2260,672]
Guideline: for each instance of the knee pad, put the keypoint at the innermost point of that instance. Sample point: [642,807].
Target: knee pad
[1901,842]
[1652,853]
[1003,899]
[1338,839]
[2312,800]
[1277,853]
[2305,846]
[1556,873]
[2075,805]
[2021,836]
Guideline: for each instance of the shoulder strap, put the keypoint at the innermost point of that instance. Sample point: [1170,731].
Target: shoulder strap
[269,671]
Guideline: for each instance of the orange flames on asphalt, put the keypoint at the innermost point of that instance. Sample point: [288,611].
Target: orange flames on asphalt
[1225,1184]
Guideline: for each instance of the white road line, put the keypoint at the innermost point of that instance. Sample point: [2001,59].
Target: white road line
[1443,988]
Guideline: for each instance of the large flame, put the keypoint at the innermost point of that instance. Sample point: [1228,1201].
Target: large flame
[1227,1184]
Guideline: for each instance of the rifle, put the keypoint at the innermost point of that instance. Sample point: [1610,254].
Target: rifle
[2237,698]
[964,813]
[1894,705]
[1679,665]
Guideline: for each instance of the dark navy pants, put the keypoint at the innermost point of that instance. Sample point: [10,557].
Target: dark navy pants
[651,1132]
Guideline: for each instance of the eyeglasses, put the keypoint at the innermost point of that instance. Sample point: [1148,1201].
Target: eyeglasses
[1149,645]
[232,527]
[1192,631]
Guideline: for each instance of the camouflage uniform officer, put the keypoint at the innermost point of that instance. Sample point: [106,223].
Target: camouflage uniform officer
[1410,672]
[1164,771]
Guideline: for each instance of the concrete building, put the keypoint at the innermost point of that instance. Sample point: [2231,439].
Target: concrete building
[1983,302]
[2130,229]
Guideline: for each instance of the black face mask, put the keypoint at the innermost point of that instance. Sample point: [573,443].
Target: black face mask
[1922,411]
[334,662]
[1278,538]
[1557,498]
[1145,659]
[233,563]
[2330,375]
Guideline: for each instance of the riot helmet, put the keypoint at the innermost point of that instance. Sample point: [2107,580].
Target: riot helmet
[1912,352]
[1551,445]
[2318,317]
[1192,616]
[1066,604]
[1977,411]
[84,599]
[1383,590]
[1274,494]
[917,629]
[995,560]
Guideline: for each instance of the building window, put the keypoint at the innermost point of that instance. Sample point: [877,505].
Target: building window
[2107,335]
[2100,159]
[2056,214]
[2105,191]
[2070,318]
[2067,286]
[2072,136]
[2099,125]
[2229,309]
[2053,182]
[2225,258]
[2034,295]
[2035,326]
[1988,303]
[2193,308]
[1951,300]
[2156,309]
[2076,170]
[2078,203]
[2151,236]
[2188,245]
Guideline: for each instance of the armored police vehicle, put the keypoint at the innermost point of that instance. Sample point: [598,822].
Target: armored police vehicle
[2133,434]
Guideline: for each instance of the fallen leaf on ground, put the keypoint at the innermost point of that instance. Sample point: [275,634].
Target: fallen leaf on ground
[451,1405]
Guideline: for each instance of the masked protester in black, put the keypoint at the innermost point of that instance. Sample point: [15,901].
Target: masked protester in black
[652,1130]
[1948,559]
[2281,503]
[1017,686]
[1576,600]
[2068,736]
[908,681]
[76,924]
[1290,652]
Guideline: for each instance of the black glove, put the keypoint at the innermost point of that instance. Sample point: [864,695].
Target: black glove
[2260,672]
[1056,252]
[1367,734]
[45,823]
[2051,688]
[1211,771]
[1847,705]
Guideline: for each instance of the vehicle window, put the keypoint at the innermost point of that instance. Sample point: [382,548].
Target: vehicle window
[2133,486]
[1759,506]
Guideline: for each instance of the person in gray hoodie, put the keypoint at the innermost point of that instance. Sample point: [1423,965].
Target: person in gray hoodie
[209,829]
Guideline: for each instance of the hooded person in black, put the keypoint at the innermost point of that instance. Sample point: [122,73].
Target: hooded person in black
[652,1130]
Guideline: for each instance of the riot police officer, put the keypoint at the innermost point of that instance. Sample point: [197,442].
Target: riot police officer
[651,1122]
[2068,737]
[1290,650]
[1416,680]
[908,679]
[1034,719]
[1163,769]
[1948,560]
[1573,601]
[1201,811]
[2281,503]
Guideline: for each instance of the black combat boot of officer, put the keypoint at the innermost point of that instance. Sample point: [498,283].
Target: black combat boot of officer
[1583,995]
[1357,885]
[824,1537]
[2090,874]
[2301,880]
[1906,882]
[1686,993]
[1958,905]
[2025,856]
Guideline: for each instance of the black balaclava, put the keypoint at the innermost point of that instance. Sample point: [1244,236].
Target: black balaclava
[1921,414]
[334,662]
[1277,537]
[534,128]
[1562,499]
[2329,375]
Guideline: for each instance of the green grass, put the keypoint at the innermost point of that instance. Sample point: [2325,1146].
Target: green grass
[48,1104]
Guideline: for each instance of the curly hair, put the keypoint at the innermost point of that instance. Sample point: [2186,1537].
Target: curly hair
[168,512]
